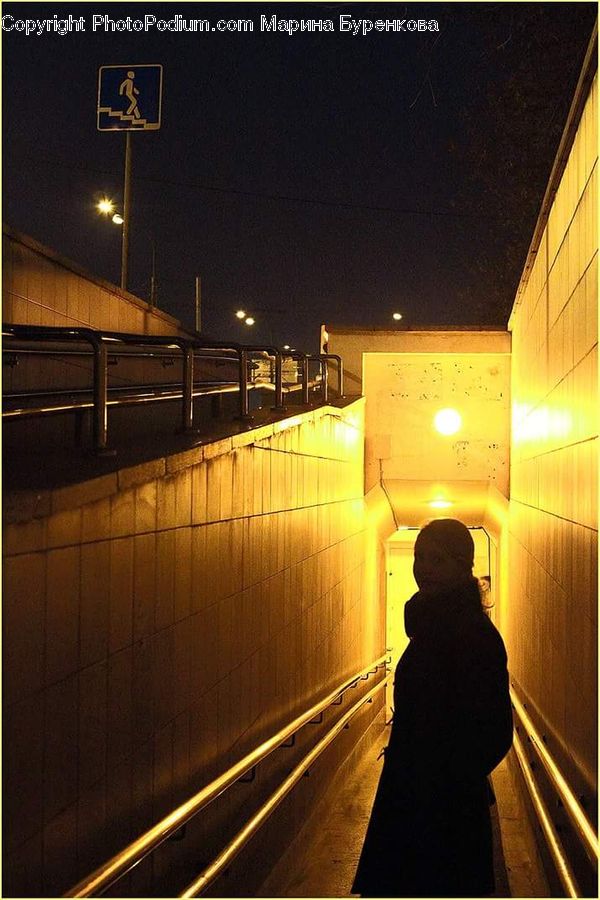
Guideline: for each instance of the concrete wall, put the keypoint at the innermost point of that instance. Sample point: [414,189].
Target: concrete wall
[352,343]
[406,377]
[403,393]
[161,621]
[41,288]
[552,625]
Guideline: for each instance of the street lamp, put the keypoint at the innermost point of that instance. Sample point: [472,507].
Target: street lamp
[241,314]
[249,320]
[396,316]
[105,206]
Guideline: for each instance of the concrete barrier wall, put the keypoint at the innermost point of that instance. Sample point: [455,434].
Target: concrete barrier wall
[163,620]
[40,287]
[551,624]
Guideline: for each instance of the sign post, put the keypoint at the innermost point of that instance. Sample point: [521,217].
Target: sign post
[129,99]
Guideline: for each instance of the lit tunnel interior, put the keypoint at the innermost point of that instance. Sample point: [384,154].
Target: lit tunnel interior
[478,504]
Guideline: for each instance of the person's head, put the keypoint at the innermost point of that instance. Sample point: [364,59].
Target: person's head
[444,552]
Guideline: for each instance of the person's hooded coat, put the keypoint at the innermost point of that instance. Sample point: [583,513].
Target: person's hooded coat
[430,830]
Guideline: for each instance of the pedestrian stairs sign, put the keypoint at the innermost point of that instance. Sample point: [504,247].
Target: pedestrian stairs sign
[129,98]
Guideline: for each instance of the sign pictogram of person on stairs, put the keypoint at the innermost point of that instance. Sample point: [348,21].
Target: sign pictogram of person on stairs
[129,97]
[132,93]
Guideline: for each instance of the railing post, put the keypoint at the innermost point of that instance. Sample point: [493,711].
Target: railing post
[324,379]
[340,376]
[100,413]
[187,423]
[243,379]
[279,406]
[305,399]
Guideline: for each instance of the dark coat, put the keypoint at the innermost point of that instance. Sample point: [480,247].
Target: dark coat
[430,832]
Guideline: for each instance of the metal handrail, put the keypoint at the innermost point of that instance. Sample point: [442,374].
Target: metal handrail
[206,877]
[142,394]
[105,875]
[340,370]
[568,799]
[100,341]
[567,878]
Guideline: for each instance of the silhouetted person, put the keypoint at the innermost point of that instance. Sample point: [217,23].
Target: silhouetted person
[430,830]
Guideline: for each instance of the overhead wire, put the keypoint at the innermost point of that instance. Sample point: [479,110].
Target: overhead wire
[261,195]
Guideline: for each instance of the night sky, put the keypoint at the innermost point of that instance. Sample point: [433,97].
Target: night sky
[308,177]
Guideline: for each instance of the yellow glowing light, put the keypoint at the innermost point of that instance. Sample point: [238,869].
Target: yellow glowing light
[447,421]
[440,504]
[241,314]
[286,346]
[540,423]
[249,320]
[118,219]
[105,206]
[396,316]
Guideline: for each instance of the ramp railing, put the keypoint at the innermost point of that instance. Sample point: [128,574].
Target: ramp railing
[106,347]
[119,865]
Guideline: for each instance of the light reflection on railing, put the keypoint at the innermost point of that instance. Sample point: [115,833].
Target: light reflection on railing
[111,871]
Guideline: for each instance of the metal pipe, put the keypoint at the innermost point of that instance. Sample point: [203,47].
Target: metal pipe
[202,882]
[340,370]
[105,875]
[567,797]
[272,351]
[156,395]
[325,379]
[100,415]
[122,352]
[126,213]
[187,423]
[243,385]
[305,398]
[279,405]
[556,849]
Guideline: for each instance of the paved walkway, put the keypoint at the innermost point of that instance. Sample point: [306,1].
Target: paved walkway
[322,860]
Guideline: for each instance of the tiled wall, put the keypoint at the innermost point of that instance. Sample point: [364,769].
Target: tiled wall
[162,621]
[40,288]
[551,622]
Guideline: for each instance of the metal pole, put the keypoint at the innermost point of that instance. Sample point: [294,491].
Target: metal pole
[188,389]
[100,419]
[153,275]
[126,213]
[325,380]
[243,381]
[305,397]
[279,405]
[198,301]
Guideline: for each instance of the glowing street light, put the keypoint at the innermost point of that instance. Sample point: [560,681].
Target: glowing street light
[396,316]
[118,219]
[105,206]
[241,314]
[249,320]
